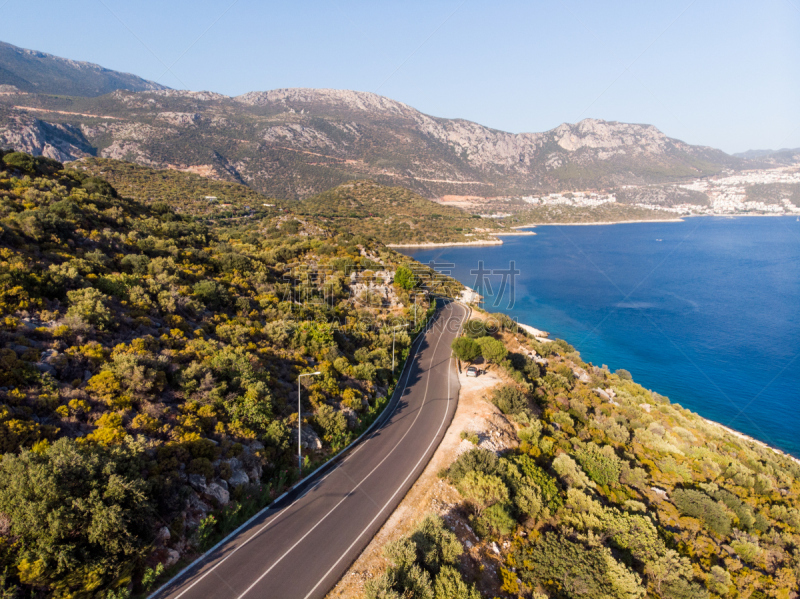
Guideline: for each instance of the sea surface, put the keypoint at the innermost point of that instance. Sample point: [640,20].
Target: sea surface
[705,311]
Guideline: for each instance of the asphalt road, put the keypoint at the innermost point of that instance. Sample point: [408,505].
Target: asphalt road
[300,550]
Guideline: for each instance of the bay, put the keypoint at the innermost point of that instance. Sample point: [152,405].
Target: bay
[705,311]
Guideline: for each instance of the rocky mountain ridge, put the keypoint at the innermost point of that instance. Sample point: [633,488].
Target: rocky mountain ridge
[31,71]
[294,143]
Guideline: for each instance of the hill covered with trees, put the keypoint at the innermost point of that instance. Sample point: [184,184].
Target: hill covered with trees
[608,490]
[148,373]
[394,215]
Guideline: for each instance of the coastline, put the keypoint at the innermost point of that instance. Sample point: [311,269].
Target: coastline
[618,222]
[445,244]
[745,437]
[679,219]
[540,335]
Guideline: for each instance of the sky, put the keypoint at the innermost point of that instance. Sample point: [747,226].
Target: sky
[719,73]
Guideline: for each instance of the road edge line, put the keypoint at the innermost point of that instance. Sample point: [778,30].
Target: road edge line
[305,480]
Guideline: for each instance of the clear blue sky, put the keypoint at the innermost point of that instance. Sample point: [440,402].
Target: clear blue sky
[723,73]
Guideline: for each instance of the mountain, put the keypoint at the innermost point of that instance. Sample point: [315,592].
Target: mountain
[295,143]
[37,72]
[784,156]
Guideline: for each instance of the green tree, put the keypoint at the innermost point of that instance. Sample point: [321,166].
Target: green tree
[405,278]
[90,306]
[492,349]
[81,516]
[475,329]
[465,349]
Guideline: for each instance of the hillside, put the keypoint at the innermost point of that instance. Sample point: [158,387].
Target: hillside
[579,483]
[30,71]
[148,373]
[188,193]
[782,157]
[295,143]
[394,215]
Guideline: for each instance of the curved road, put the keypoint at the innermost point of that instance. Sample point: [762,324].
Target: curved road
[300,550]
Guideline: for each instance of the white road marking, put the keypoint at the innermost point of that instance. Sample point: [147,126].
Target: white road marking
[334,508]
[410,474]
[286,509]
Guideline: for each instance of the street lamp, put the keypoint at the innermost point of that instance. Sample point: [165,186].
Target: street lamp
[299,422]
[400,326]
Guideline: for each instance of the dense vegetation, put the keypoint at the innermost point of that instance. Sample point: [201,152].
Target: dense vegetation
[148,373]
[605,213]
[394,215]
[611,491]
[185,192]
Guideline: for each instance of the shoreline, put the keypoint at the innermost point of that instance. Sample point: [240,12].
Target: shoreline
[617,222]
[746,437]
[430,244]
[540,335]
[678,219]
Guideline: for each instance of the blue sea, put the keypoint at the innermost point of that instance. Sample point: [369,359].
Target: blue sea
[705,311]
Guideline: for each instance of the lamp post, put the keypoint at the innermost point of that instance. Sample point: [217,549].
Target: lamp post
[400,326]
[299,422]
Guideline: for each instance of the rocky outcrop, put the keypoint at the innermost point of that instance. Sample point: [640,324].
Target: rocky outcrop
[308,438]
[260,139]
[40,138]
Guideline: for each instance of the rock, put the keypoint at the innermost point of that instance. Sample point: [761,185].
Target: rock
[163,535]
[352,417]
[19,349]
[255,472]
[238,478]
[86,375]
[645,407]
[49,356]
[256,446]
[233,463]
[308,438]
[495,548]
[222,482]
[218,494]
[46,368]
[198,482]
[172,558]
[196,504]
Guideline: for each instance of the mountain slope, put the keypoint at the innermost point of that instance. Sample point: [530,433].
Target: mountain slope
[294,143]
[395,215]
[37,72]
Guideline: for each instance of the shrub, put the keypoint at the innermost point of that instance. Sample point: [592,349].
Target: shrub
[483,490]
[509,399]
[498,519]
[477,460]
[699,505]
[562,564]
[602,465]
[90,306]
